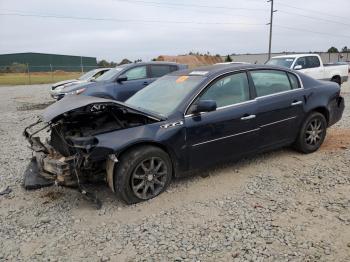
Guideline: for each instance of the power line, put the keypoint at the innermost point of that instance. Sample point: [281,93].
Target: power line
[191,5]
[313,11]
[158,21]
[160,4]
[310,31]
[314,18]
[126,20]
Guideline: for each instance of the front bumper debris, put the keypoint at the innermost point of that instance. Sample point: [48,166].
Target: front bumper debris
[47,166]
[33,179]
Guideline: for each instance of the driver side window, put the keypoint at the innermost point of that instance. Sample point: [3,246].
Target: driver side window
[301,61]
[139,72]
[228,90]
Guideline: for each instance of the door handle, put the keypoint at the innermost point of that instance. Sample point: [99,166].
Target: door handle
[248,117]
[295,103]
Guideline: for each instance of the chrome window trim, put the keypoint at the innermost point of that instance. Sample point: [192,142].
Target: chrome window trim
[224,107]
[224,137]
[246,70]
[279,93]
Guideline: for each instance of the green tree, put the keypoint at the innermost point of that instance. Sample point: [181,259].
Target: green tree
[333,50]
[103,63]
[228,58]
[345,49]
[125,61]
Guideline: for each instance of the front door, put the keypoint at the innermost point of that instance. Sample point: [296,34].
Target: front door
[228,132]
[137,79]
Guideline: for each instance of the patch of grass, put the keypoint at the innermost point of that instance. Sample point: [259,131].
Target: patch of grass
[36,78]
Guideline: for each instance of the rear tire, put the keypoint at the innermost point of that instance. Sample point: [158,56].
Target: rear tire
[312,133]
[142,173]
[336,79]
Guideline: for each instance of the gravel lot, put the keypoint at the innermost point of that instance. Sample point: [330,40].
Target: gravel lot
[277,206]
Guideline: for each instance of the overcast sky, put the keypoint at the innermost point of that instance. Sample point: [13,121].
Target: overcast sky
[237,30]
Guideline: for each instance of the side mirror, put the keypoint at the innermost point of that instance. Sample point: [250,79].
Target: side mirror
[122,78]
[203,106]
[298,67]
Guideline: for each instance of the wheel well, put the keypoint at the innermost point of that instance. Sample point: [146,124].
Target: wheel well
[323,111]
[336,77]
[155,144]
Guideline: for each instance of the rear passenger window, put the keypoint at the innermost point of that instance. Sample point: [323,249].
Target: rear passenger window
[160,70]
[293,81]
[268,82]
[312,62]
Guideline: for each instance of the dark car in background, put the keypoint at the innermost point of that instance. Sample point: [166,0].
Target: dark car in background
[123,81]
[59,87]
[184,121]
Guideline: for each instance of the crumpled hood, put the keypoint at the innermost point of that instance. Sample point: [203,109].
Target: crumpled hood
[73,102]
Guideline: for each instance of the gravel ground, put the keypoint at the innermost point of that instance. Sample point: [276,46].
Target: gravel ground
[277,206]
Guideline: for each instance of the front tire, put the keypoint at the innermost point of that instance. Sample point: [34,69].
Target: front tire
[143,173]
[312,133]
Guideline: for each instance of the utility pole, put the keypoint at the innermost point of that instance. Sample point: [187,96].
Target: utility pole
[271,20]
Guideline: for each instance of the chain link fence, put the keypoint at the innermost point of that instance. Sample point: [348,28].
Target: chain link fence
[26,74]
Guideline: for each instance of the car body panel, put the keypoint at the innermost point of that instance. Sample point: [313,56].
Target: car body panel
[193,141]
[59,87]
[320,72]
[114,89]
[223,133]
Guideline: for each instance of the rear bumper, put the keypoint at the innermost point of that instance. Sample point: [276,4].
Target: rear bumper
[336,109]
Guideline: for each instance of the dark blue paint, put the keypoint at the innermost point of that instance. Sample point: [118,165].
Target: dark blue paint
[210,137]
[120,91]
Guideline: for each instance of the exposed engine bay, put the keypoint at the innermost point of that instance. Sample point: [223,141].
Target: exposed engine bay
[62,154]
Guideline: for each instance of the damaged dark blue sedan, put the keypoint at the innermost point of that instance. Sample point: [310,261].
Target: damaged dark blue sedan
[184,121]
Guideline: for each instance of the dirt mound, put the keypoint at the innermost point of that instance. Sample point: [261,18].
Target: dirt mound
[337,138]
[191,60]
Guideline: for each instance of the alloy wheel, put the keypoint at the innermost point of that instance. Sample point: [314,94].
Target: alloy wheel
[149,178]
[314,132]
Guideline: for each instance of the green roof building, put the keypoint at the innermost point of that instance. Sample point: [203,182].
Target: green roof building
[39,62]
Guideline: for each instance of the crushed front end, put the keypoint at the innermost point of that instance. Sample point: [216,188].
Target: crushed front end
[65,141]
[58,159]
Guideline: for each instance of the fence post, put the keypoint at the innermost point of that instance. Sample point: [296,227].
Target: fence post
[51,72]
[29,80]
[81,64]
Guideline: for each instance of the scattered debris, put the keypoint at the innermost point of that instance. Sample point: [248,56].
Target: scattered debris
[6,191]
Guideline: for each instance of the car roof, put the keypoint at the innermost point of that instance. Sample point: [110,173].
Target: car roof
[103,68]
[213,70]
[148,63]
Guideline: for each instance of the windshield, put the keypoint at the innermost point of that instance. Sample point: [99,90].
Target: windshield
[164,95]
[110,74]
[285,61]
[87,75]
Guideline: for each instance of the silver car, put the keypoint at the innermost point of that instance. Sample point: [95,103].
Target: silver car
[58,87]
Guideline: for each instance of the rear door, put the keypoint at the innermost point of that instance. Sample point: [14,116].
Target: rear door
[137,79]
[228,132]
[280,104]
